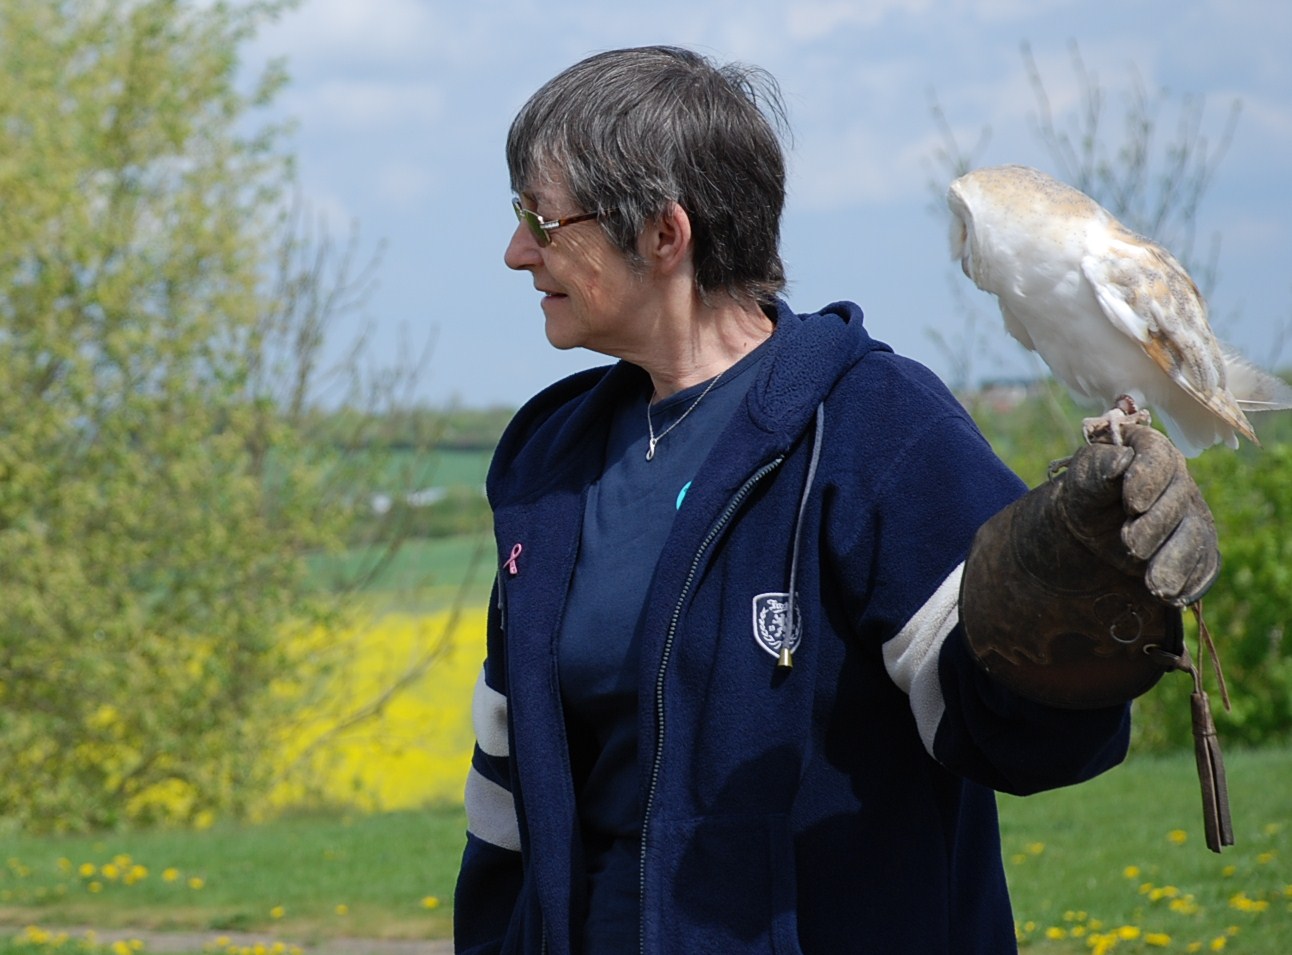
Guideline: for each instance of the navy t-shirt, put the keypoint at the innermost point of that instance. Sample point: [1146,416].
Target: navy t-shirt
[627,518]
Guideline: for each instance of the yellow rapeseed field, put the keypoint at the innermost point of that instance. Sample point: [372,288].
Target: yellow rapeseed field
[386,724]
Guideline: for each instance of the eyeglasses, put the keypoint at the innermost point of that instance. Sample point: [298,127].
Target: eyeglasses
[541,228]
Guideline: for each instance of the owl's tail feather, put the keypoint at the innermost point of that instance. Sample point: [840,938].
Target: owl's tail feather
[1254,389]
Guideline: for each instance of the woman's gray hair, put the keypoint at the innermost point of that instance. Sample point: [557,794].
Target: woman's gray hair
[629,132]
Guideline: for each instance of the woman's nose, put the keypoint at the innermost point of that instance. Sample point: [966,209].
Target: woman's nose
[522,251]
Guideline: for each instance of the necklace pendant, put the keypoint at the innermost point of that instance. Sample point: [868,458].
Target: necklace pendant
[650,449]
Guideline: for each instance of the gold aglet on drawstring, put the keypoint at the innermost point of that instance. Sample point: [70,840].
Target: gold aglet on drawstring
[785,661]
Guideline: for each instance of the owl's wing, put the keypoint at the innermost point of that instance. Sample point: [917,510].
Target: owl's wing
[1149,296]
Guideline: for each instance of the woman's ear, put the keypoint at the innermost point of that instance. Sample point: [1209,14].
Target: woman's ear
[668,239]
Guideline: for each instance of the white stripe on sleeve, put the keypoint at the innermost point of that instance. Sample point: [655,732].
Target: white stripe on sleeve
[911,657]
[489,718]
[491,812]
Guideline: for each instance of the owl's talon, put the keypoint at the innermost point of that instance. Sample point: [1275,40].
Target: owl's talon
[1108,427]
[1056,466]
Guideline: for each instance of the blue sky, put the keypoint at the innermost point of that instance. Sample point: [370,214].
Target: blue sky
[402,109]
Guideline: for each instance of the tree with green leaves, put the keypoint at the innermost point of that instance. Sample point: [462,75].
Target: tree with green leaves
[156,499]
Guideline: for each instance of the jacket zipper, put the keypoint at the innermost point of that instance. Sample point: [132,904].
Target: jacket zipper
[723,519]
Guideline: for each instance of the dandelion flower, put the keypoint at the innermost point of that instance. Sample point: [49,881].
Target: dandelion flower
[170,874]
[277,912]
[1157,939]
[86,870]
[343,909]
[1055,934]
[95,886]
[1229,871]
[1177,837]
[1265,858]
[1244,903]
[1184,905]
[1218,943]
[430,902]
[1128,933]
[1131,872]
[196,882]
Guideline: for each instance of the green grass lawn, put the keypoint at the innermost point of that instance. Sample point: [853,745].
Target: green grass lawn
[1123,852]
[303,877]
[1126,851]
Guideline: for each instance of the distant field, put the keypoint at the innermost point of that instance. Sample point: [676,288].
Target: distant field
[436,468]
[426,575]
[447,467]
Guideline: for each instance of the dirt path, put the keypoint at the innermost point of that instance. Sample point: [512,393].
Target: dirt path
[157,943]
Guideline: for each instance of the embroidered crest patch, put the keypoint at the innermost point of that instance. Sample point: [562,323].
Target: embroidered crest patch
[769,623]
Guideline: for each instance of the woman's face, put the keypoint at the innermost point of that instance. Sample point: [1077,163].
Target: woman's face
[592,296]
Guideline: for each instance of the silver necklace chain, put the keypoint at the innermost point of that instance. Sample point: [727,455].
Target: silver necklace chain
[650,425]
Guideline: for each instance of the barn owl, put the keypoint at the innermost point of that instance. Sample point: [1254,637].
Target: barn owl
[1115,316]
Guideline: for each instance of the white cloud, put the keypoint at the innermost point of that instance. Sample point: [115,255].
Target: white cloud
[336,33]
[814,19]
[355,104]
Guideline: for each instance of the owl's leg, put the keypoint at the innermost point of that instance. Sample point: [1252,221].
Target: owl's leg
[1107,428]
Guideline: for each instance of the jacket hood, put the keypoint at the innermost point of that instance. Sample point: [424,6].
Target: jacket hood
[559,433]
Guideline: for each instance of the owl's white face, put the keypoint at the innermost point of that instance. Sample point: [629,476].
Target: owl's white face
[961,247]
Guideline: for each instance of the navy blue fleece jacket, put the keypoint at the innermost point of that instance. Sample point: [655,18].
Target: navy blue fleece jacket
[844,805]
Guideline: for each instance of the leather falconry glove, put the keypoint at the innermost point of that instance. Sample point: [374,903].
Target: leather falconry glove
[1071,595]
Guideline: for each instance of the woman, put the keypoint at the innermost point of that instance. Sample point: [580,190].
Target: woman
[728,703]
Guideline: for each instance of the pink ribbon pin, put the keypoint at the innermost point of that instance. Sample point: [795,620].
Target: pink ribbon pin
[510,562]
